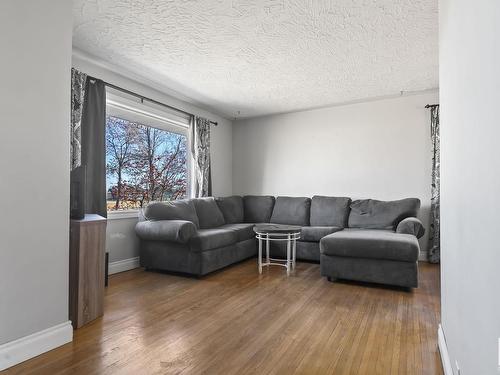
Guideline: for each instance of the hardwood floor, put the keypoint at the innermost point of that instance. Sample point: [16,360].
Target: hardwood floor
[237,322]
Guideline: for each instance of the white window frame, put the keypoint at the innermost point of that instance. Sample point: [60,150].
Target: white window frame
[149,114]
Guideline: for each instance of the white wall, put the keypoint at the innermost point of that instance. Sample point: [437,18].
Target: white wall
[379,149]
[121,241]
[35,44]
[470,133]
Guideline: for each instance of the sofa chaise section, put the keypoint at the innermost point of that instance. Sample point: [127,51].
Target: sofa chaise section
[380,245]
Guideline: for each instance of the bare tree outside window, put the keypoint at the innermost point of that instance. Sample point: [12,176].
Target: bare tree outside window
[143,164]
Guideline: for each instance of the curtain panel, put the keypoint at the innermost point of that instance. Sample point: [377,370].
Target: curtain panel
[200,149]
[94,146]
[434,253]
[87,142]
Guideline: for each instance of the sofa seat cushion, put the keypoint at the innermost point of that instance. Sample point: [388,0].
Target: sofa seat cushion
[258,208]
[291,210]
[314,234]
[372,244]
[374,214]
[329,211]
[208,212]
[208,239]
[231,208]
[244,231]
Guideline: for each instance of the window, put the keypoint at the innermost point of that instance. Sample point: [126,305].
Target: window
[146,154]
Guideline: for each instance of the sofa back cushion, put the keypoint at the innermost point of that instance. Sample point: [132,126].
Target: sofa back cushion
[209,214]
[291,210]
[173,210]
[231,208]
[329,211]
[258,208]
[374,214]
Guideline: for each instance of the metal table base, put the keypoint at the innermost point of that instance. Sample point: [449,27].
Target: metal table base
[291,250]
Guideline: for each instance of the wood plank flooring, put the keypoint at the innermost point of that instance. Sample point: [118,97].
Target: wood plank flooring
[237,322]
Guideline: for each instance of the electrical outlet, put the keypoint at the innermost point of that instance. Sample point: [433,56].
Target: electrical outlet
[458,367]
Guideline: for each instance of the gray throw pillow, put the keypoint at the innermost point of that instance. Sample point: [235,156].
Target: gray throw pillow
[173,210]
[208,213]
[231,208]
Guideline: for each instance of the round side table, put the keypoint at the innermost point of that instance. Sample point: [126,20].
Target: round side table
[278,232]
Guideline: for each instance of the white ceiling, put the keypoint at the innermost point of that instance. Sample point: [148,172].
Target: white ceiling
[267,56]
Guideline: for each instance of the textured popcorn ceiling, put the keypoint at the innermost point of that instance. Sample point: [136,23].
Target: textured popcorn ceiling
[267,56]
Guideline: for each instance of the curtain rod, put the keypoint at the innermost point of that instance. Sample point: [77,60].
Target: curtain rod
[149,99]
[431,105]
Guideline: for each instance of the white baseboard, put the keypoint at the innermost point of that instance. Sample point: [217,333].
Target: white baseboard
[20,350]
[422,257]
[443,350]
[123,265]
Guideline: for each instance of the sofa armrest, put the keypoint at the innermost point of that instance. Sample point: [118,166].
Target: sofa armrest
[411,225]
[166,230]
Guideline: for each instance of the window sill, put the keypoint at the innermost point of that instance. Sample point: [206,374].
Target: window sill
[118,215]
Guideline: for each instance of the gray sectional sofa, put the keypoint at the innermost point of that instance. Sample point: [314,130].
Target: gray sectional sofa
[364,240]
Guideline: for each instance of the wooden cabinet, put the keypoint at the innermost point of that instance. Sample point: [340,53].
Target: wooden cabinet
[86,269]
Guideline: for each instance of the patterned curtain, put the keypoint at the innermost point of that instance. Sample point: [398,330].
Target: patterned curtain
[201,156]
[434,253]
[78,81]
